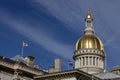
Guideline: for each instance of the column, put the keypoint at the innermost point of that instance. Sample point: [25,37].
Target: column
[88,60]
[81,61]
[91,60]
[95,61]
[78,62]
[85,61]
[75,64]
[100,62]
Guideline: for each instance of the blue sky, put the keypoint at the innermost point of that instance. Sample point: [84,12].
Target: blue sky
[52,27]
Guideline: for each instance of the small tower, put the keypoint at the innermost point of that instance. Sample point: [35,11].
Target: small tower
[89,52]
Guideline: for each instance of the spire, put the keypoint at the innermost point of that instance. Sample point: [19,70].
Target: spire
[89,26]
[88,16]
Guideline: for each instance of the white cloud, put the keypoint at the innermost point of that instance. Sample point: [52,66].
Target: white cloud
[106,16]
[71,13]
[39,36]
[64,11]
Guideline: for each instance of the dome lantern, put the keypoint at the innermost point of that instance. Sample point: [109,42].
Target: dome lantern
[89,26]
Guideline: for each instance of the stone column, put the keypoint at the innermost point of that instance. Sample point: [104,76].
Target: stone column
[95,61]
[88,60]
[85,60]
[92,60]
[101,63]
[81,61]
[98,62]
[76,63]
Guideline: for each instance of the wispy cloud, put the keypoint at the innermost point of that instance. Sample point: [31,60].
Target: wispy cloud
[71,13]
[38,35]
[63,11]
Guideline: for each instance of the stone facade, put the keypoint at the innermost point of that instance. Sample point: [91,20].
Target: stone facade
[14,70]
[116,70]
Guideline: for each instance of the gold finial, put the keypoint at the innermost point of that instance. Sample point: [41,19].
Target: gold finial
[88,16]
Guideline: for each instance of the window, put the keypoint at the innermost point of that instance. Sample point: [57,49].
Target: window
[83,61]
[86,60]
[90,60]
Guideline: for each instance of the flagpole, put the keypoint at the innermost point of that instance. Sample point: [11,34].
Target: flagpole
[70,63]
[24,44]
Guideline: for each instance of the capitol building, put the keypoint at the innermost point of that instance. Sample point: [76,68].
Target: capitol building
[89,58]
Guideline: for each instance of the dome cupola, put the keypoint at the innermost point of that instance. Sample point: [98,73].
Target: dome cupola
[89,40]
[89,52]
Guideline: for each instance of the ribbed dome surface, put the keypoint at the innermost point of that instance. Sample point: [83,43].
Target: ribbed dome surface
[89,41]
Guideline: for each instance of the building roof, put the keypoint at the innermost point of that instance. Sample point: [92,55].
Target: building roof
[107,75]
[115,68]
[66,74]
[18,60]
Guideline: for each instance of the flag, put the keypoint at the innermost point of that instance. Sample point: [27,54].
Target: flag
[25,44]
[70,63]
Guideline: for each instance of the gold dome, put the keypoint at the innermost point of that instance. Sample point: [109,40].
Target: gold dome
[89,41]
